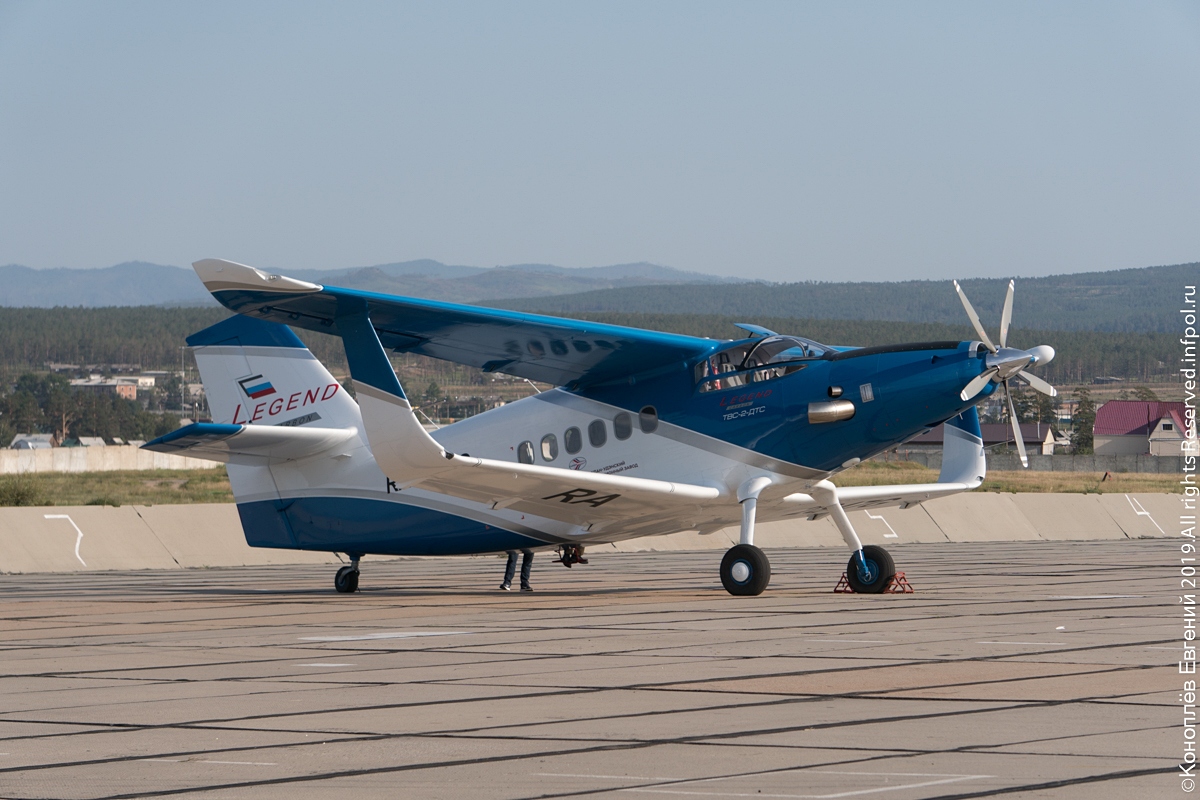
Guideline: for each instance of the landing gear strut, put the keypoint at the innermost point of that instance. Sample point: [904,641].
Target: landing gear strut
[871,568]
[745,570]
[346,579]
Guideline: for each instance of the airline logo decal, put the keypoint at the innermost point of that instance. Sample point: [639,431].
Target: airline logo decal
[255,387]
[267,411]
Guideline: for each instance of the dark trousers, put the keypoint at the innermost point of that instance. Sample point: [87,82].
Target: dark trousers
[511,567]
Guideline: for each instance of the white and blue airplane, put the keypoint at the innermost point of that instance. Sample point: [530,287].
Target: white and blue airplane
[647,434]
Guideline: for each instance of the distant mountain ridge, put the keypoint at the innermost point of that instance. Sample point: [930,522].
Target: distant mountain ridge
[137,283]
[1128,300]
[129,284]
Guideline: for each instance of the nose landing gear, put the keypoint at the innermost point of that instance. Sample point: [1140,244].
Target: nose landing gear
[870,570]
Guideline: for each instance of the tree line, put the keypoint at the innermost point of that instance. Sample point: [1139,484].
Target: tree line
[1130,300]
[41,403]
[151,337]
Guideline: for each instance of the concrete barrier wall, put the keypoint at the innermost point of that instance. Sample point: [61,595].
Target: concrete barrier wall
[94,459]
[1011,462]
[76,538]
[971,517]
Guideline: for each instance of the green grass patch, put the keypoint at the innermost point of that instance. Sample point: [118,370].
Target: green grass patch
[884,473]
[134,487]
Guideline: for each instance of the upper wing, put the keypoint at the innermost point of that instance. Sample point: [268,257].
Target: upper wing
[249,444]
[559,351]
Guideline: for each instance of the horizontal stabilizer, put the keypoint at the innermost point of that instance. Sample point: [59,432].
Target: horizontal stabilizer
[250,444]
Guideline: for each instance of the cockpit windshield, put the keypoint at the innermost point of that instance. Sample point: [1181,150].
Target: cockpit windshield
[778,349]
[753,362]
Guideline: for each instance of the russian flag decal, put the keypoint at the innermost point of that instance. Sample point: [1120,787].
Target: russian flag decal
[255,387]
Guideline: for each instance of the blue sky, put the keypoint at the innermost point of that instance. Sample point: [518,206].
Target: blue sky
[782,141]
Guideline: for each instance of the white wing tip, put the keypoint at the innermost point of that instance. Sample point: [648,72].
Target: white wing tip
[218,274]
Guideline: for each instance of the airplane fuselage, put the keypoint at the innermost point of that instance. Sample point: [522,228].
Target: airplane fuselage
[720,437]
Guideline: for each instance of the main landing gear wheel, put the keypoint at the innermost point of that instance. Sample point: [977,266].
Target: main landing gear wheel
[346,580]
[745,570]
[880,570]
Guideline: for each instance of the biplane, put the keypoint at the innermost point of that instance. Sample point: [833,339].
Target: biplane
[645,433]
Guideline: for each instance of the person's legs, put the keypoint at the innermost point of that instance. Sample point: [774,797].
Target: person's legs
[526,567]
[509,569]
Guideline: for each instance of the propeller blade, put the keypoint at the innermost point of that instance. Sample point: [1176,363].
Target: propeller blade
[1016,426]
[977,383]
[1038,384]
[983,337]
[1006,316]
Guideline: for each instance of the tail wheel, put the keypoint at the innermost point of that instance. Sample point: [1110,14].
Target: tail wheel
[346,580]
[745,570]
[880,566]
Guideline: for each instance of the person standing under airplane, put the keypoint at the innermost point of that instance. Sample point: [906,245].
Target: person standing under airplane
[511,567]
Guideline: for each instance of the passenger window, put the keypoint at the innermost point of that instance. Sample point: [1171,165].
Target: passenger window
[525,452]
[573,440]
[549,447]
[597,434]
[622,426]
[648,419]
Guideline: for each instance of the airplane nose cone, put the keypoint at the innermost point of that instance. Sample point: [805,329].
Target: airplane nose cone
[1042,354]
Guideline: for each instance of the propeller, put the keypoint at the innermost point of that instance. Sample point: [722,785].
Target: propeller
[1005,362]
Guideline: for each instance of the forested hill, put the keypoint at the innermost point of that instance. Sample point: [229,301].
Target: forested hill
[151,337]
[1129,300]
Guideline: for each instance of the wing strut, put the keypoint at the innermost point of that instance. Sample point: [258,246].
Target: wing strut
[408,455]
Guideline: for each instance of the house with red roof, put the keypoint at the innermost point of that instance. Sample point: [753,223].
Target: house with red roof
[1138,427]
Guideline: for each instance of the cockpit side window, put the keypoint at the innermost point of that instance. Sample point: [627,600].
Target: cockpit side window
[722,363]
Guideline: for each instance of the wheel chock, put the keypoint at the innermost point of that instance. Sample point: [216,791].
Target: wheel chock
[897,585]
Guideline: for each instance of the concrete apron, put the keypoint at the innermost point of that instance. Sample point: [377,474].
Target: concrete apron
[79,538]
